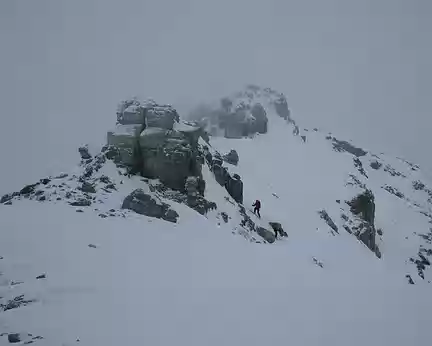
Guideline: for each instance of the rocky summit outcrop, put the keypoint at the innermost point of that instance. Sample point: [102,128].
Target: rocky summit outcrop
[148,113]
[242,114]
[150,140]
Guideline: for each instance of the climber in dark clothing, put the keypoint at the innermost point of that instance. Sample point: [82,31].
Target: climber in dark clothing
[257,208]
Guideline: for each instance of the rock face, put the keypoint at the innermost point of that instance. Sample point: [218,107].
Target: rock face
[232,157]
[260,122]
[363,206]
[277,227]
[266,234]
[145,204]
[147,113]
[150,140]
[234,186]
[130,112]
[85,155]
[243,114]
[161,116]
[168,156]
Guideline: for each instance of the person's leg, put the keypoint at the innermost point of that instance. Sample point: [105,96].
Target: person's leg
[259,215]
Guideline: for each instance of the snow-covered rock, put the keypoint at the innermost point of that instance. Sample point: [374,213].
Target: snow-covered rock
[232,157]
[244,113]
[148,205]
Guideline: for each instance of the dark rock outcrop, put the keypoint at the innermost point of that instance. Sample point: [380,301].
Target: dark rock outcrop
[234,186]
[14,338]
[87,187]
[277,228]
[232,157]
[281,106]
[29,189]
[168,156]
[81,202]
[418,185]
[193,198]
[85,155]
[394,191]
[266,234]
[242,114]
[376,165]
[390,170]
[16,303]
[343,146]
[358,164]
[363,206]
[260,121]
[145,204]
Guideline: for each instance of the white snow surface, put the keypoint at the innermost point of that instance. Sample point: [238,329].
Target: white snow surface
[144,281]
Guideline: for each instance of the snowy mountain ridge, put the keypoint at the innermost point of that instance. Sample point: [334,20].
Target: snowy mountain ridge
[79,264]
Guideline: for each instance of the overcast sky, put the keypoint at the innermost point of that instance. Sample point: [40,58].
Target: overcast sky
[361,69]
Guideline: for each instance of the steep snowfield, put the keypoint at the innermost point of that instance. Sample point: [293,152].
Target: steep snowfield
[113,277]
[295,179]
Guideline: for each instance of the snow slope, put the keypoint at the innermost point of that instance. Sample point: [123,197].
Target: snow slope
[152,282]
[113,277]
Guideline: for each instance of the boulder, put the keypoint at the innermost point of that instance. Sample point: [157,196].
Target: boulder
[85,155]
[161,116]
[130,112]
[267,235]
[145,204]
[87,187]
[14,338]
[232,157]
[376,165]
[277,227]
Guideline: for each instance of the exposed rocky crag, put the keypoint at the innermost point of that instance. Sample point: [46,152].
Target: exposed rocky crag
[242,114]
